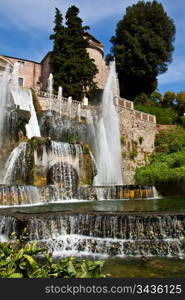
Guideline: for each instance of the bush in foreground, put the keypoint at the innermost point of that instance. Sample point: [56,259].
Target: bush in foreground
[19,260]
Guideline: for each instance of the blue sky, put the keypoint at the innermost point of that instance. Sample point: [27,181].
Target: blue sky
[26,24]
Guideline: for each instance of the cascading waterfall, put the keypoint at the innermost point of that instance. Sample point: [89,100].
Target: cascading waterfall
[111,235]
[7,226]
[20,195]
[4,91]
[16,157]
[23,99]
[58,151]
[108,151]
[63,161]
[60,166]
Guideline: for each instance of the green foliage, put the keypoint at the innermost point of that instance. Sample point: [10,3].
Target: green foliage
[180,100]
[170,141]
[18,260]
[71,65]
[181,121]
[168,99]
[122,140]
[163,115]
[142,46]
[166,168]
[133,154]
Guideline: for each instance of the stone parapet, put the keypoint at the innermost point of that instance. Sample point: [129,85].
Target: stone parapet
[129,105]
[73,109]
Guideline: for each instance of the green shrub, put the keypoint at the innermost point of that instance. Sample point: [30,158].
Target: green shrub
[19,260]
[170,141]
[163,115]
[166,168]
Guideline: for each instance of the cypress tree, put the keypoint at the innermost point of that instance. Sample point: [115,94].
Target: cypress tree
[58,54]
[71,65]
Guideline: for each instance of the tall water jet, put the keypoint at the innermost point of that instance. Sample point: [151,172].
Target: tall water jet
[4,84]
[60,90]
[50,90]
[108,148]
[69,103]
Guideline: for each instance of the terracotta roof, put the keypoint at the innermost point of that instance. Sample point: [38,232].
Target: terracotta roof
[20,59]
[92,38]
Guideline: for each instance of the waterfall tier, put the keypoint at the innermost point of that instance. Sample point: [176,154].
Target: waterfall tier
[117,192]
[96,234]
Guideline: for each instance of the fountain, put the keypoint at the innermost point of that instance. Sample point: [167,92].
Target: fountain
[4,89]
[50,91]
[69,103]
[60,99]
[108,152]
[63,182]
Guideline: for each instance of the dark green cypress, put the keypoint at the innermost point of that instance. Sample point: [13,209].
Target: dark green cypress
[71,65]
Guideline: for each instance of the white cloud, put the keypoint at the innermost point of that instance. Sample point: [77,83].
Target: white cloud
[31,14]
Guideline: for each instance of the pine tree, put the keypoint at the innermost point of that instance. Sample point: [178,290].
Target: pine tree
[71,65]
[142,46]
[58,54]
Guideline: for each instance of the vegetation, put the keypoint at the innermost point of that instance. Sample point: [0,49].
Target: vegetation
[71,65]
[163,115]
[168,108]
[142,46]
[166,168]
[19,260]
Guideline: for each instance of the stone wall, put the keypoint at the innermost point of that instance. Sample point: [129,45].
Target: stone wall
[101,76]
[138,132]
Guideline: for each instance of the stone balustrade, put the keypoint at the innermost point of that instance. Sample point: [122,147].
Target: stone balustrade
[73,110]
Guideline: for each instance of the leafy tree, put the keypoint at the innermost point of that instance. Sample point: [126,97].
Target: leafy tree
[142,46]
[72,67]
[168,99]
[156,97]
[180,99]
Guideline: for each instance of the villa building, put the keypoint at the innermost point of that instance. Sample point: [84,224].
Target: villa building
[35,75]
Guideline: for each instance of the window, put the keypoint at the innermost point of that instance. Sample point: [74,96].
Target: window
[21,62]
[20,81]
